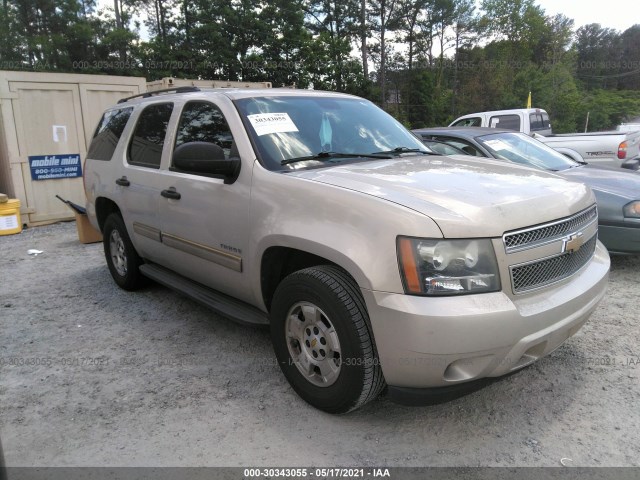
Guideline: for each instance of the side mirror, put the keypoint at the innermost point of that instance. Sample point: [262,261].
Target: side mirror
[204,158]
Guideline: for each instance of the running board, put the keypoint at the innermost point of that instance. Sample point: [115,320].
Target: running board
[219,302]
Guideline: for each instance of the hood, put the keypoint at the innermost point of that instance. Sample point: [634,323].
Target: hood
[616,181]
[464,196]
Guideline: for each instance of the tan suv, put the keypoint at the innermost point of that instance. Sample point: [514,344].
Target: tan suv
[374,261]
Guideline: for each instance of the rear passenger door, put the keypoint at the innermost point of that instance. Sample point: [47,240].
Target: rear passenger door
[205,230]
[139,185]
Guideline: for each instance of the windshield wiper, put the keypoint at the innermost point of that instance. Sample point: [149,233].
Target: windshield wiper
[399,150]
[331,155]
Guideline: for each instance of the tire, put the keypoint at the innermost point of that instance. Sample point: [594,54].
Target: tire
[121,256]
[322,307]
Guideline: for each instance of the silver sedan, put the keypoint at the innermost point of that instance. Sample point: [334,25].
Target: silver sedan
[617,191]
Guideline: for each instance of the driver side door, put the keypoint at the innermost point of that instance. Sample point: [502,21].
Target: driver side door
[205,222]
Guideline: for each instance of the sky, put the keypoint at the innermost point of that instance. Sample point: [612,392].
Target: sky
[618,14]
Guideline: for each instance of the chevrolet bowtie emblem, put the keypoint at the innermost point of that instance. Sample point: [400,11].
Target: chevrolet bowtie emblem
[572,243]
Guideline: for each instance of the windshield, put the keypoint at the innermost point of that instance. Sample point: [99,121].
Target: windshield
[287,130]
[520,148]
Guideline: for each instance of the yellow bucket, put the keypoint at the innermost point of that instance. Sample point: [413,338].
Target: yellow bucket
[10,217]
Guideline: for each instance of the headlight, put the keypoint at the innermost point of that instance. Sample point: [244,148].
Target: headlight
[447,267]
[632,210]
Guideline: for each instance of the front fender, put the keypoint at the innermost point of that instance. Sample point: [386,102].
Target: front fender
[354,230]
[572,154]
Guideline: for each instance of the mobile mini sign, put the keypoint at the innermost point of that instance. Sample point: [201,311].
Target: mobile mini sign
[49,167]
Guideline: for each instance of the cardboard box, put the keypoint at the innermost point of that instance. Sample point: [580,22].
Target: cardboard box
[86,232]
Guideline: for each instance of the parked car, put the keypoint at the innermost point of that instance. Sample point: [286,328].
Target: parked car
[373,260]
[617,190]
[613,149]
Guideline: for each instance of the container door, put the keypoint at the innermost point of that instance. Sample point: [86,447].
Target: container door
[95,99]
[49,127]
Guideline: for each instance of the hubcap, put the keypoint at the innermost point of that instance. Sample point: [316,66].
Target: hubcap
[118,253]
[313,344]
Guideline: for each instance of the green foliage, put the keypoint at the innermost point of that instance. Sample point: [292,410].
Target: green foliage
[607,108]
[440,58]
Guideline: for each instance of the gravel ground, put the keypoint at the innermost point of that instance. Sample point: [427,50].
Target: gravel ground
[111,378]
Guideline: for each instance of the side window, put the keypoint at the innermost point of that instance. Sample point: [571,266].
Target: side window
[468,122]
[535,121]
[508,122]
[463,145]
[204,122]
[145,148]
[441,147]
[108,133]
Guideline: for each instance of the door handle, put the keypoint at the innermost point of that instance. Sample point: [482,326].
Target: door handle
[123,182]
[171,193]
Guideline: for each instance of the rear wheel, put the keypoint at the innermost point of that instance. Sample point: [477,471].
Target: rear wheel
[121,256]
[322,340]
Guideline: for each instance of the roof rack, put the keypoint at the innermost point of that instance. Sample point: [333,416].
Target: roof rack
[166,90]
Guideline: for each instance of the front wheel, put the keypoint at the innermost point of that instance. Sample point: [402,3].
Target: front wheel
[322,340]
[121,256]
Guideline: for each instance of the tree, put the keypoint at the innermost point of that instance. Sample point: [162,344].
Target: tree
[630,65]
[409,16]
[335,23]
[512,19]
[599,51]
[465,29]
[382,12]
[12,40]
[284,42]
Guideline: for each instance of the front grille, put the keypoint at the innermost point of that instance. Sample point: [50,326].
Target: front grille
[530,237]
[550,270]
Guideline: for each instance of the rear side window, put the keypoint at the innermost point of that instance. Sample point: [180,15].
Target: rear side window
[468,122]
[546,123]
[535,122]
[463,145]
[145,148]
[508,122]
[539,121]
[108,133]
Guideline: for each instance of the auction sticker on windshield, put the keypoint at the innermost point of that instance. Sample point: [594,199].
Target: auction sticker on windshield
[497,145]
[265,123]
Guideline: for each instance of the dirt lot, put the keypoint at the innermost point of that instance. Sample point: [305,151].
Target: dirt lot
[91,375]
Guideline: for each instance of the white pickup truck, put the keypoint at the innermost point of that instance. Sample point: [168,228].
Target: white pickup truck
[614,149]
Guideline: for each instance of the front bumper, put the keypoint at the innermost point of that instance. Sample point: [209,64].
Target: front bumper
[621,238]
[434,342]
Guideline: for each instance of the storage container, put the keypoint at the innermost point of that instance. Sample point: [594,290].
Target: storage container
[47,121]
[170,82]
